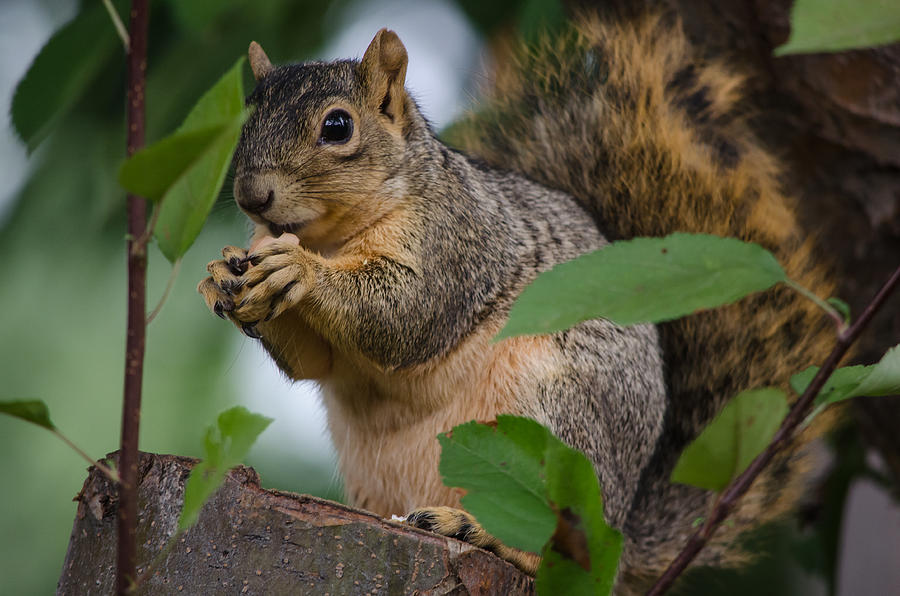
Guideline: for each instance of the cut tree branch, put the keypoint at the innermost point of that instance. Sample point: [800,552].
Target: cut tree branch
[785,435]
[249,540]
[137,317]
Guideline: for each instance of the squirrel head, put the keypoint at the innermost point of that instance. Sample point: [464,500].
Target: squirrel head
[317,154]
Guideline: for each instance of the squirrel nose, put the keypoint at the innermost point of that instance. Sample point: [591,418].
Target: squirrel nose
[253,194]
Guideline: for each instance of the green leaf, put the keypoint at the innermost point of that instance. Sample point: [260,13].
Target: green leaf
[62,72]
[152,171]
[732,440]
[497,467]
[222,101]
[834,25]
[884,379]
[583,553]
[533,492]
[200,173]
[840,385]
[875,380]
[33,410]
[643,280]
[225,445]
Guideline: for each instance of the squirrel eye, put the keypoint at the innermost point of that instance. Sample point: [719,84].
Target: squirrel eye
[337,128]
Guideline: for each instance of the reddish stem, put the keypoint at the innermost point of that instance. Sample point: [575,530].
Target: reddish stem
[732,494]
[134,348]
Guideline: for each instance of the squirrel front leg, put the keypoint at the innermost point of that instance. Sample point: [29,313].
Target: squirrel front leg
[347,299]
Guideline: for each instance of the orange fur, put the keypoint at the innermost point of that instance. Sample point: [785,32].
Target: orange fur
[386,436]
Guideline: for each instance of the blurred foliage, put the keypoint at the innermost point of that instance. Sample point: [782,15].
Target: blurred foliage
[835,25]
[62,71]
[63,319]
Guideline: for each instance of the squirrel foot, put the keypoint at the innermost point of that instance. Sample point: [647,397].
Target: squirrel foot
[459,524]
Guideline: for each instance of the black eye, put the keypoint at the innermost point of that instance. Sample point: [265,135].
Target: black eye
[337,128]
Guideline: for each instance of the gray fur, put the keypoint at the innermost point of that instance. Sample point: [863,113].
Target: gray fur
[484,237]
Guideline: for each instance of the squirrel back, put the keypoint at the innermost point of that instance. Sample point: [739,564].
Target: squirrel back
[652,138]
[403,258]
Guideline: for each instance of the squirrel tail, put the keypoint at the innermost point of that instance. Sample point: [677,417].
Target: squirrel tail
[651,138]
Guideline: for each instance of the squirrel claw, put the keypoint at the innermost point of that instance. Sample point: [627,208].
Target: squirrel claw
[232,287]
[237,266]
[251,331]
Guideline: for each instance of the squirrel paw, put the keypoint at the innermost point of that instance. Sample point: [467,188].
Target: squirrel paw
[223,288]
[459,524]
[274,282]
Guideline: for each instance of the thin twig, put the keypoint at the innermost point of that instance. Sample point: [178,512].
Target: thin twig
[107,471]
[118,24]
[126,559]
[165,295]
[831,311]
[785,434]
[148,232]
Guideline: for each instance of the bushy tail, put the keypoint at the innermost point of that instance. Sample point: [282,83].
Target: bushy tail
[650,137]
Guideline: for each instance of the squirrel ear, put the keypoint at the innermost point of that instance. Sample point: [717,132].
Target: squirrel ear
[384,70]
[259,62]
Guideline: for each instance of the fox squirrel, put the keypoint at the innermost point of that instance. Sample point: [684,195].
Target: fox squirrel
[383,263]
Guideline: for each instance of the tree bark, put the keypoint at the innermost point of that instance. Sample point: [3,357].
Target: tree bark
[249,540]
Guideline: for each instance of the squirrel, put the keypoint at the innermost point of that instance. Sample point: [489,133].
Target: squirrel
[383,262]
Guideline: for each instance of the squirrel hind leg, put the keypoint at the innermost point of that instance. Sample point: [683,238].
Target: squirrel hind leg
[459,524]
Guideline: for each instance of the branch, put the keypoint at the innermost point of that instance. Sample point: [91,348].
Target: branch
[176,266]
[111,474]
[117,23]
[148,231]
[785,434]
[832,312]
[137,317]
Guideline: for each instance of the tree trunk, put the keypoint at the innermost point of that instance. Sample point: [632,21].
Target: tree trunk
[254,541]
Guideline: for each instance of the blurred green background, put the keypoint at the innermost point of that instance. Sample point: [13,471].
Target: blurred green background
[62,300]
[62,226]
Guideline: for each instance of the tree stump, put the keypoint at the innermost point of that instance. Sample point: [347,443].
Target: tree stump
[249,540]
